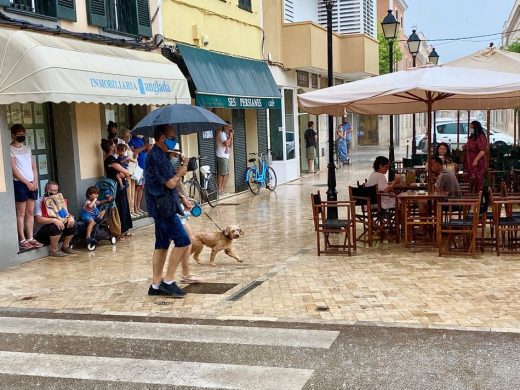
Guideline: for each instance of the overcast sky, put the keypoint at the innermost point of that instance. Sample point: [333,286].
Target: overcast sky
[441,19]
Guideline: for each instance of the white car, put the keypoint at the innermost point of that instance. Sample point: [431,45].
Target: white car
[447,132]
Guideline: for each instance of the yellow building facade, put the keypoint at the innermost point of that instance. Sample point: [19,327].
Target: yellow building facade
[222,26]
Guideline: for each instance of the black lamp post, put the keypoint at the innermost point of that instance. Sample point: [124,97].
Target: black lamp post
[414,42]
[332,194]
[434,59]
[390,27]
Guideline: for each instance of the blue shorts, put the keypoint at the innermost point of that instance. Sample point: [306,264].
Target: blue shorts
[89,215]
[22,193]
[170,229]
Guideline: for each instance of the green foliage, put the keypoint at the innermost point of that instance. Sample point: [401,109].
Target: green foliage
[384,52]
[515,46]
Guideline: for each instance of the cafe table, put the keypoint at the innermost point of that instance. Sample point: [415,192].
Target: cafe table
[417,210]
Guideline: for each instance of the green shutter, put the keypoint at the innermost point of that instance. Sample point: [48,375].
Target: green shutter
[5,2]
[144,26]
[66,10]
[96,13]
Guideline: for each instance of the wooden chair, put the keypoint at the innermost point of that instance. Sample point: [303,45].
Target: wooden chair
[506,220]
[338,234]
[386,219]
[457,223]
[365,212]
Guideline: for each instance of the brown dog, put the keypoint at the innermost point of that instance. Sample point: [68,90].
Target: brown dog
[217,241]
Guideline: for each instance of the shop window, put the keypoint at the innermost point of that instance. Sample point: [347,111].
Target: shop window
[245,5]
[314,81]
[302,79]
[368,130]
[61,9]
[118,113]
[289,123]
[121,16]
[34,118]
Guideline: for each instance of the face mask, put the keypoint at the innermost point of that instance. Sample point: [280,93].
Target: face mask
[20,138]
[170,143]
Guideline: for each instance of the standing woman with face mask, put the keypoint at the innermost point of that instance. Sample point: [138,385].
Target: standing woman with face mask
[476,162]
[25,178]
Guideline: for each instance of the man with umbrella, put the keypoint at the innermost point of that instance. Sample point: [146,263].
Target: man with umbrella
[162,201]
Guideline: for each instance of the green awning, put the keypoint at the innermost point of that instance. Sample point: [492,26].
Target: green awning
[230,82]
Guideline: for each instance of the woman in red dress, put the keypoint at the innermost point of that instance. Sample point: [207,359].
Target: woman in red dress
[476,162]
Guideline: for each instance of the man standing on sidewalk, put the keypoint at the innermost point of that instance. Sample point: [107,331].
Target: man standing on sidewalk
[224,145]
[311,138]
[162,201]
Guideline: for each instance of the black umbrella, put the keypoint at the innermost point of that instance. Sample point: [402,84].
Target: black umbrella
[185,118]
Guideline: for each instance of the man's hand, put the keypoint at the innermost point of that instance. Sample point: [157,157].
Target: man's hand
[31,186]
[184,166]
[70,221]
[59,224]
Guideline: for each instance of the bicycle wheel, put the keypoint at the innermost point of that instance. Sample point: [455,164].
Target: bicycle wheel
[253,185]
[195,191]
[272,181]
[211,193]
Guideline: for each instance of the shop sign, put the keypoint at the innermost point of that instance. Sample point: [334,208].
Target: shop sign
[154,87]
[235,102]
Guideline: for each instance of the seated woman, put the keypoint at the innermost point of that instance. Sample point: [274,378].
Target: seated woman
[378,177]
[443,152]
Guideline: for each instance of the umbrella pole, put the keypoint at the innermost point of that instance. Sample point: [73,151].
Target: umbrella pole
[488,123]
[515,123]
[458,129]
[429,137]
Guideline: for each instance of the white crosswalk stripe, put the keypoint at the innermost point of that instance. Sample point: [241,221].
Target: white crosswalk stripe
[173,332]
[59,363]
[204,375]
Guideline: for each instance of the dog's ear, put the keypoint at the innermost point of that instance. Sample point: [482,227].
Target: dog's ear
[241,232]
[227,231]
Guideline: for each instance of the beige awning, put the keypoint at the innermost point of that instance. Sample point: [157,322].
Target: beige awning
[40,68]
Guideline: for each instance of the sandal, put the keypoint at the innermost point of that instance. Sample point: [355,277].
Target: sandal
[24,244]
[57,253]
[34,243]
[127,235]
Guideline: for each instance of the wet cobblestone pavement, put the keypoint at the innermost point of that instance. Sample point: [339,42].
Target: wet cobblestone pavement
[384,285]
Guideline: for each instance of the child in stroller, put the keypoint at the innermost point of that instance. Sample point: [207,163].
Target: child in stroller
[94,221]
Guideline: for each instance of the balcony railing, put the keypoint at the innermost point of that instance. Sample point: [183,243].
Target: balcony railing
[119,16]
[42,7]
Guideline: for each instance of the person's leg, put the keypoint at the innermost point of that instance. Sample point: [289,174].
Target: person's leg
[224,180]
[90,227]
[310,165]
[20,217]
[187,277]
[139,198]
[131,198]
[54,240]
[159,257]
[177,255]
[220,181]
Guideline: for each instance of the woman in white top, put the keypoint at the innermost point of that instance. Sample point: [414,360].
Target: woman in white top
[378,177]
[25,178]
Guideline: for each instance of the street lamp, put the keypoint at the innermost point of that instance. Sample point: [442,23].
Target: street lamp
[390,26]
[433,57]
[414,42]
[332,194]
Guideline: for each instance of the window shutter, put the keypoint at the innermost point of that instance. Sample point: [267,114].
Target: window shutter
[96,13]
[144,27]
[66,10]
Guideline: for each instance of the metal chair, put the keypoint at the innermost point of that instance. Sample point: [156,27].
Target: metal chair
[338,234]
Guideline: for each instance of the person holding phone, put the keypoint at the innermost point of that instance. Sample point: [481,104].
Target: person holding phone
[224,146]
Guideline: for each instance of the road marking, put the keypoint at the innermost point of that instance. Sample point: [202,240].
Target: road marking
[282,337]
[205,375]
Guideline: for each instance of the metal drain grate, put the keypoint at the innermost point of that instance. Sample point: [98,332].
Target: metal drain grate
[320,185]
[229,204]
[208,288]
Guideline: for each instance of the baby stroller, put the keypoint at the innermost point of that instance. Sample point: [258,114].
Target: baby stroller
[101,232]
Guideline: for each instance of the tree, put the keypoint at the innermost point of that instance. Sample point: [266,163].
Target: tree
[515,46]
[384,52]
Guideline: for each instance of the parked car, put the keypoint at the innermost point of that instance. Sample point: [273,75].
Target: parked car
[447,132]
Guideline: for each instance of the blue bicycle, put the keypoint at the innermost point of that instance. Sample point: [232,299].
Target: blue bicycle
[263,176]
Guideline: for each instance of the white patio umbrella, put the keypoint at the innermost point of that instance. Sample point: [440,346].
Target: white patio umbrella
[417,90]
[490,58]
